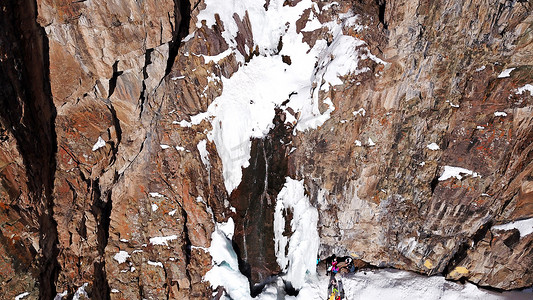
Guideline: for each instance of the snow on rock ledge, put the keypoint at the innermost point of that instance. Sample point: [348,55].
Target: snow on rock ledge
[162,240]
[456,172]
[524,226]
[99,144]
[433,146]
[20,296]
[526,88]
[121,256]
[506,73]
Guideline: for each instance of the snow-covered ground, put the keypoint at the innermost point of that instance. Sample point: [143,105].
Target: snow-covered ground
[395,284]
[392,284]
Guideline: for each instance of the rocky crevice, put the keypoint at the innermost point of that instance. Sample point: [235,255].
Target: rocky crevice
[462,251]
[381,12]
[187,245]
[101,210]
[113,80]
[182,18]
[118,133]
[27,111]
[143,96]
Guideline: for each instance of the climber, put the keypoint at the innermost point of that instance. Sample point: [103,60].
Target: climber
[333,290]
[332,297]
[328,263]
[334,267]
[342,264]
[351,266]
[346,265]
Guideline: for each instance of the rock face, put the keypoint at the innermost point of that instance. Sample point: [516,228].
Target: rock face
[111,184]
[387,202]
[27,157]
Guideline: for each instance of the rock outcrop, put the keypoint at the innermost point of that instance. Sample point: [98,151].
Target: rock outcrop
[112,183]
[386,201]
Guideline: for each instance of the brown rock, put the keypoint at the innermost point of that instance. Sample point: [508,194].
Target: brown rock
[117,77]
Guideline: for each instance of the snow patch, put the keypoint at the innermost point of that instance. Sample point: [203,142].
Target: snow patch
[360,112]
[81,292]
[456,172]
[406,246]
[500,114]
[228,228]
[204,155]
[452,105]
[358,143]
[172,212]
[480,69]
[395,284]
[433,146]
[162,240]
[218,57]
[155,263]
[329,5]
[183,123]
[99,143]
[200,248]
[121,256]
[60,296]
[292,150]
[154,207]
[156,195]
[524,226]
[163,146]
[528,87]
[20,296]
[312,24]
[195,120]
[371,142]
[506,73]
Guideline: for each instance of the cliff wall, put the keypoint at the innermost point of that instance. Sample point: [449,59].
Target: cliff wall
[120,152]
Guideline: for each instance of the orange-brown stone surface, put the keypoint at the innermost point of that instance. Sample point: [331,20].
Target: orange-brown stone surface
[94,163]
